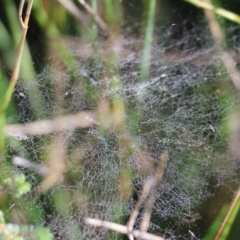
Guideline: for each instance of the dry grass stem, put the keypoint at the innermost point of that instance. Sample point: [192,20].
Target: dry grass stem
[16,69]
[72,8]
[96,17]
[148,190]
[56,163]
[63,123]
[121,229]
[147,213]
[219,39]
[24,23]
[230,210]
[38,168]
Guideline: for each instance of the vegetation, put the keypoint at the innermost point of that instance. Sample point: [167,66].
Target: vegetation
[77,121]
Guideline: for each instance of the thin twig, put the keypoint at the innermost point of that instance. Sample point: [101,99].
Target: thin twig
[151,200]
[28,12]
[148,189]
[147,213]
[20,10]
[121,229]
[56,163]
[38,168]
[96,17]
[72,8]
[145,192]
[226,219]
[62,123]
[219,40]
[15,74]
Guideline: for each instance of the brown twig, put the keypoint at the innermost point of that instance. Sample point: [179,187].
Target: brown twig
[62,123]
[56,163]
[219,39]
[38,168]
[72,9]
[96,17]
[148,190]
[121,229]
[145,192]
[147,213]
[15,74]
[229,212]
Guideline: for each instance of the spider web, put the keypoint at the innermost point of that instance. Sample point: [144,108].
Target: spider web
[178,109]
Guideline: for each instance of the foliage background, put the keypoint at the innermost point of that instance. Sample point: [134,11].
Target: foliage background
[51,30]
